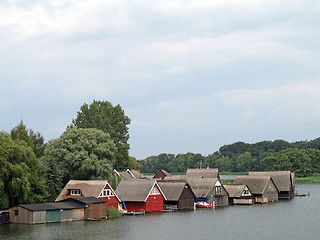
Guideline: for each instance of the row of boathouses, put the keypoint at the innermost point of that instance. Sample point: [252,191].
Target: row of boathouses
[89,199]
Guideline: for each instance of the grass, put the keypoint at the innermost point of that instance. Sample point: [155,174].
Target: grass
[227,181]
[315,178]
[113,213]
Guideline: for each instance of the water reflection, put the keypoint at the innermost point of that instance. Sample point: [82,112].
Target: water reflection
[295,219]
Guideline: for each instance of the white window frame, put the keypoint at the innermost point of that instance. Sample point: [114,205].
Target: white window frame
[106,193]
[155,191]
[75,192]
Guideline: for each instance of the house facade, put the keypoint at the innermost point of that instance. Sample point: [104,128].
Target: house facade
[179,195]
[284,180]
[141,195]
[262,187]
[161,174]
[239,194]
[90,188]
[210,189]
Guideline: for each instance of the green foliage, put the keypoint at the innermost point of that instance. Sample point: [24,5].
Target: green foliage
[21,178]
[302,157]
[83,153]
[33,140]
[110,119]
[53,176]
[113,213]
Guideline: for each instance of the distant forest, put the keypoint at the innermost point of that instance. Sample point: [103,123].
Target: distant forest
[302,157]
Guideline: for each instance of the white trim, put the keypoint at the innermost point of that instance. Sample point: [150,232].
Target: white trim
[75,192]
[128,171]
[114,193]
[155,184]
[116,172]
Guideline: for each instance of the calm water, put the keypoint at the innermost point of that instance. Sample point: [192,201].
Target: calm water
[295,219]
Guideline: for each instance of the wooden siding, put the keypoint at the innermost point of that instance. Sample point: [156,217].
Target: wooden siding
[78,214]
[271,192]
[112,201]
[26,216]
[4,217]
[96,211]
[187,199]
[66,215]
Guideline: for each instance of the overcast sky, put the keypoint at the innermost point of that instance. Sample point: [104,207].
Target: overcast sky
[191,75]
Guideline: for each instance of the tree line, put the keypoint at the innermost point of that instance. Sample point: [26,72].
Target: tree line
[302,157]
[96,142]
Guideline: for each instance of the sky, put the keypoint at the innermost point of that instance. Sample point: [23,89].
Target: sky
[192,75]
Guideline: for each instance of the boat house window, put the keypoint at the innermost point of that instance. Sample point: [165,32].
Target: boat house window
[76,192]
[155,191]
[106,193]
[218,190]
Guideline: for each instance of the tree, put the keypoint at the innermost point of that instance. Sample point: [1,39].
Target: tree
[53,176]
[83,153]
[33,140]
[110,119]
[21,179]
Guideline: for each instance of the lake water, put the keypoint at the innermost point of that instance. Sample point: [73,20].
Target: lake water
[298,218]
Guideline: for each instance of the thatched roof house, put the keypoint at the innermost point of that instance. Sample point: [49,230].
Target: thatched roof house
[239,194]
[203,173]
[284,180]
[141,195]
[161,174]
[90,188]
[129,174]
[179,194]
[209,188]
[262,187]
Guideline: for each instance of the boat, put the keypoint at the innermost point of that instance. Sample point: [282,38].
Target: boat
[203,205]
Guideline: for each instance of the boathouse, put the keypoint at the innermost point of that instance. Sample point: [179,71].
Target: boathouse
[210,189]
[94,208]
[262,187]
[70,209]
[129,174]
[90,188]
[239,194]
[284,180]
[141,195]
[161,174]
[179,195]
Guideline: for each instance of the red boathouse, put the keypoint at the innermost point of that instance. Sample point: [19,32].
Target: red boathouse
[142,195]
[90,188]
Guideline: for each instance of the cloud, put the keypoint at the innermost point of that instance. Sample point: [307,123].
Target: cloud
[192,75]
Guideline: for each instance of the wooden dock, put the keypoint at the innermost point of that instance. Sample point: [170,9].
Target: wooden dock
[134,213]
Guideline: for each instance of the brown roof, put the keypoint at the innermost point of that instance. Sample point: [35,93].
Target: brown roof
[164,172]
[235,190]
[88,188]
[202,187]
[256,184]
[136,190]
[203,173]
[282,179]
[130,174]
[173,189]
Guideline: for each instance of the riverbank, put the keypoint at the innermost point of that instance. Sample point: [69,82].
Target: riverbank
[315,178]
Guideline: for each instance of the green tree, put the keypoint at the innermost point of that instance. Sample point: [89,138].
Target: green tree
[110,119]
[21,178]
[133,163]
[83,153]
[33,140]
[53,176]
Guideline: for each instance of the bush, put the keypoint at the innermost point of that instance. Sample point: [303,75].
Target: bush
[113,213]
